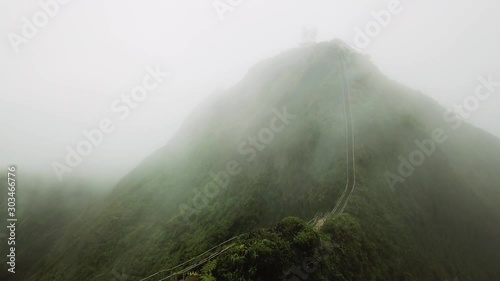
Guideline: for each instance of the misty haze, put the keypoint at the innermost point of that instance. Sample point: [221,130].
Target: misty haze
[233,140]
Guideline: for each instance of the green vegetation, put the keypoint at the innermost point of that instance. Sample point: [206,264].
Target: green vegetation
[443,221]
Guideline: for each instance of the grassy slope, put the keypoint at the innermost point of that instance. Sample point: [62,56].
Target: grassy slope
[442,221]
[45,209]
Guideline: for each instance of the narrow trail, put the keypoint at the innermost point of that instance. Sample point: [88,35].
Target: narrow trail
[348,132]
[350,157]
[182,270]
[347,92]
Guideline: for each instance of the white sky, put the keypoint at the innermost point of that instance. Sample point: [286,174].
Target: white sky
[65,78]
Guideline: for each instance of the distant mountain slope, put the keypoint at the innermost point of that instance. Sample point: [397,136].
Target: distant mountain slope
[45,210]
[279,136]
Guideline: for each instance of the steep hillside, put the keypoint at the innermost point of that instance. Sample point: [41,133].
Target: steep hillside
[274,146]
[45,210]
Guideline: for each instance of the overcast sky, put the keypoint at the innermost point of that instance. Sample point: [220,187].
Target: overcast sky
[65,78]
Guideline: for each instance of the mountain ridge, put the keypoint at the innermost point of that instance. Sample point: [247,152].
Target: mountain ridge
[440,222]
